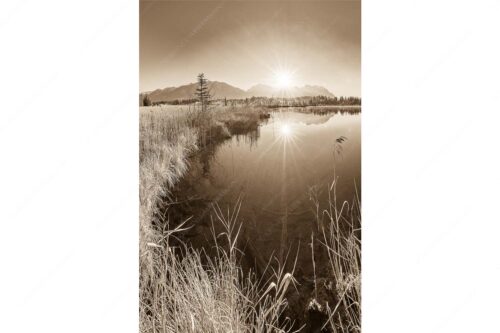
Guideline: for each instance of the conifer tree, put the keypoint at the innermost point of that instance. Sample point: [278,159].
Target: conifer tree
[202,92]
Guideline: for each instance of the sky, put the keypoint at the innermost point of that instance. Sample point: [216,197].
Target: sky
[245,43]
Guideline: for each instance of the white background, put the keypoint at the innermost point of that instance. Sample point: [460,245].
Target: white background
[69,166]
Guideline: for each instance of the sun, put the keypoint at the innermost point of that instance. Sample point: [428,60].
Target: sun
[283,79]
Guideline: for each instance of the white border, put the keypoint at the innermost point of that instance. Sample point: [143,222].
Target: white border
[430,166]
[68,173]
[69,166]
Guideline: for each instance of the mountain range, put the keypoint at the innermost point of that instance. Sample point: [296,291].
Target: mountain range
[223,90]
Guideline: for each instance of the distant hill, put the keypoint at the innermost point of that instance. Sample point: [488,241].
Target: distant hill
[217,90]
[223,90]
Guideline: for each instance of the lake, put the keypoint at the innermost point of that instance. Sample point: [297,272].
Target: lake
[275,172]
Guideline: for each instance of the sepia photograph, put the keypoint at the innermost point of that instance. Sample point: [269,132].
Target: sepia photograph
[250,166]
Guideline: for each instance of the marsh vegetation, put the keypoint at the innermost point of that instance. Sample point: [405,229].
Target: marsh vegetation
[226,245]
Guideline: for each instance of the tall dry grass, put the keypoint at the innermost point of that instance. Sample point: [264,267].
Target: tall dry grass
[342,239]
[165,142]
[188,291]
[339,226]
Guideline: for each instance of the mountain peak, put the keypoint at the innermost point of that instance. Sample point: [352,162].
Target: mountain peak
[224,90]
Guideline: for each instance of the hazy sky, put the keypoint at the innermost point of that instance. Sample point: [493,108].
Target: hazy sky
[243,43]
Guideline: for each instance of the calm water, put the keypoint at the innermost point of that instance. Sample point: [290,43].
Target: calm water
[273,172]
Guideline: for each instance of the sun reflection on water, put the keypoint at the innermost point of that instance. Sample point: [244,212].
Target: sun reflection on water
[285,130]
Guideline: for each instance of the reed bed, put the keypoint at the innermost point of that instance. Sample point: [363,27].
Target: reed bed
[165,142]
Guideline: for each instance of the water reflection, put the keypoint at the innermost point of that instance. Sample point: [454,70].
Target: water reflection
[273,170]
[250,138]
